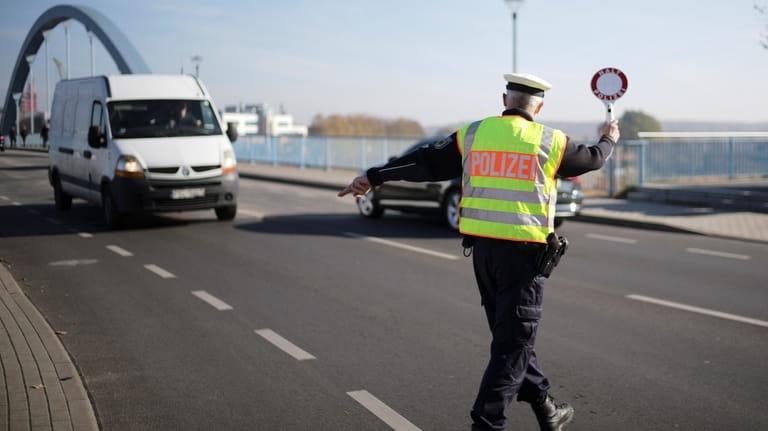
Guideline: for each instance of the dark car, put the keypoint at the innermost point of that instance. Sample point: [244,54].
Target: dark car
[443,197]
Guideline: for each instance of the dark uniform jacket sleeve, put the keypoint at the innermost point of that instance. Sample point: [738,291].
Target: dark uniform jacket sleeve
[442,160]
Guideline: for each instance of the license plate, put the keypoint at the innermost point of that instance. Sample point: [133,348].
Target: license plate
[187,193]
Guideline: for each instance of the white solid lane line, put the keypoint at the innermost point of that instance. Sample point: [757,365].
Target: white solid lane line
[383,411]
[718,253]
[612,238]
[401,245]
[119,250]
[699,310]
[284,345]
[212,300]
[159,271]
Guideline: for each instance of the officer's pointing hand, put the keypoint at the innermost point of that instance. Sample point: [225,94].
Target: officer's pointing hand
[359,186]
[611,130]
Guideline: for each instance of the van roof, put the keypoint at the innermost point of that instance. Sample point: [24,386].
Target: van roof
[142,87]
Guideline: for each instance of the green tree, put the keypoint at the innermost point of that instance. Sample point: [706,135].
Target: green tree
[363,125]
[633,122]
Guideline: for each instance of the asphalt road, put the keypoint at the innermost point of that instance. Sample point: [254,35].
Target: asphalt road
[301,315]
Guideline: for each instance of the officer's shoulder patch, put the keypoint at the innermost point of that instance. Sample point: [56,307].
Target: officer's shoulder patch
[443,142]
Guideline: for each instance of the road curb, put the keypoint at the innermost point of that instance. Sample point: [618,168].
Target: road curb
[43,385]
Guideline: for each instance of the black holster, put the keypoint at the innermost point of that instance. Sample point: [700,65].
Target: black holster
[550,257]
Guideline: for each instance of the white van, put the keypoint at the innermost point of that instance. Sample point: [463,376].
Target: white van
[141,143]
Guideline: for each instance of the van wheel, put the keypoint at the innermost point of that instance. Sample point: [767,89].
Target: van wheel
[558,221]
[451,208]
[62,200]
[111,215]
[226,213]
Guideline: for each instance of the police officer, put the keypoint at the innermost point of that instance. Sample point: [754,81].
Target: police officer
[509,166]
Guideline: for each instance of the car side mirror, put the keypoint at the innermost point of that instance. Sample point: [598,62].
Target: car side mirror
[96,139]
[231,132]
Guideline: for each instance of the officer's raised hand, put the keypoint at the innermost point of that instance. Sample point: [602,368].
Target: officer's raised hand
[611,130]
[359,186]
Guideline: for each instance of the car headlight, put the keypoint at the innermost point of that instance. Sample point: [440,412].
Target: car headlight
[129,167]
[228,162]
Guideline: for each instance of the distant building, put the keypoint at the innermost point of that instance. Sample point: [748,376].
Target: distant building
[260,120]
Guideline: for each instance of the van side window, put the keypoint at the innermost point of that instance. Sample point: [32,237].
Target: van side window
[97,116]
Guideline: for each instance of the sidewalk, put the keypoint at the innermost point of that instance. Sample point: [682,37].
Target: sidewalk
[742,225]
[42,388]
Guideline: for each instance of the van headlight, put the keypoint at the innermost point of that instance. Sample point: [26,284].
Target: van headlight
[129,167]
[228,162]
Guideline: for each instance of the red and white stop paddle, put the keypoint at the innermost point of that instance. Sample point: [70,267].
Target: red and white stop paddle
[609,84]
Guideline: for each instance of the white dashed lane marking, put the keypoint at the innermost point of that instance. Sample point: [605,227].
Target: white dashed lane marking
[284,345]
[718,253]
[699,310]
[383,411]
[85,235]
[402,246]
[212,300]
[119,250]
[612,238]
[159,271]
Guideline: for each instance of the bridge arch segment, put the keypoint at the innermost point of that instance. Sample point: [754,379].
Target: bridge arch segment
[124,54]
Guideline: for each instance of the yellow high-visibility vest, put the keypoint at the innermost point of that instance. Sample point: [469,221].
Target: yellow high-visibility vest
[509,190]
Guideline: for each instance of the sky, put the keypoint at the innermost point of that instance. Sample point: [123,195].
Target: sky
[438,62]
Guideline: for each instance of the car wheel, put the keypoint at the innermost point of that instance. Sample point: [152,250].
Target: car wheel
[112,216]
[226,213]
[368,206]
[62,200]
[451,208]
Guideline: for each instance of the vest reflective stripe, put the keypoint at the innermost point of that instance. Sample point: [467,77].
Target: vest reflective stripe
[502,200]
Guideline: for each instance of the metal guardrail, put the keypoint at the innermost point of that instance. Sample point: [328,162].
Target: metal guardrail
[671,158]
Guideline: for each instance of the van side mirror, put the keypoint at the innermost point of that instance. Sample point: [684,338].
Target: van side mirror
[96,139]
[232,132]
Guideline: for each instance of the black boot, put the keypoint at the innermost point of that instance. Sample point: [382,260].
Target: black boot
[551,416]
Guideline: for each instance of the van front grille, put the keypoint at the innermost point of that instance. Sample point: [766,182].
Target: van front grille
[168,170]
[205,168]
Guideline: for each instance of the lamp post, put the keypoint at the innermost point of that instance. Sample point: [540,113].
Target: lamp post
[93,59]
[30,60]
[197,60]
[46,33]
[16,98]
[514,6]
[67,24]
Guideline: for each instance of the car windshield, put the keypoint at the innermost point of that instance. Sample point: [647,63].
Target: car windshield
[153,118]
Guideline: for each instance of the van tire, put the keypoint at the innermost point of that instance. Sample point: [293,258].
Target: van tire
[62,200]
[226,213]
[112,216]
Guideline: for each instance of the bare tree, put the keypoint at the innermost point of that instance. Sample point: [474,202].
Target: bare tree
[764,35]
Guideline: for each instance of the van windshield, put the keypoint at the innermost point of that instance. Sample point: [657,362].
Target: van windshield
[153,118]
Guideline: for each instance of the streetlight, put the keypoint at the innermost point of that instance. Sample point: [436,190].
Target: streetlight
[93,59]
[514,6]
[16,98]
[197,60]
[46,33]
[67,24]
[30,60]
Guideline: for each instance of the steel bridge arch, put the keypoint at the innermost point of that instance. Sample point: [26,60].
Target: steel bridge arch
[124,54]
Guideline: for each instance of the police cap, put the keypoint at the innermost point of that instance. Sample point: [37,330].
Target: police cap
[527,83]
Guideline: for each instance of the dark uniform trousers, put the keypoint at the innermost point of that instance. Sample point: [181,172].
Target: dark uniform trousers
[512,293]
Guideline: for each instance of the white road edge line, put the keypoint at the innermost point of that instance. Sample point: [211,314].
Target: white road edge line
[718,253]
[383,411]
[159,271]
[250,213]
[284,345]
[212,300]
[612,238]
[401,245]
[699,310]
[119,250]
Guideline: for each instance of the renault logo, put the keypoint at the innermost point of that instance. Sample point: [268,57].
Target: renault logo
[185,171]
